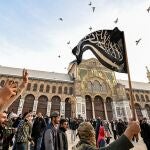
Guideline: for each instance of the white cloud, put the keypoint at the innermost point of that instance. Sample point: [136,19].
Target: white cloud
[42,37]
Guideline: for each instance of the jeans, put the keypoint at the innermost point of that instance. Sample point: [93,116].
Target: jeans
[37,142]
[21,146]
[102,143]
[73,135]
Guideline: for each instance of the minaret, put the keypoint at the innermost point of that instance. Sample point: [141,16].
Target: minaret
[148,74]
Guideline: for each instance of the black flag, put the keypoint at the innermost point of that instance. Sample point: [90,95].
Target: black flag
[107,45]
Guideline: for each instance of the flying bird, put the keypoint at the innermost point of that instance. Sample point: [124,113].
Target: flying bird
[137,42]
[61,19]
[148,9]
[116,20]
[90,3]
[90,28]
[93,9]
[68,42]
[58,56]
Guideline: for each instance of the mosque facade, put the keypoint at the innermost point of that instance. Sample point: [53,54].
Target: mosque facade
[88,90]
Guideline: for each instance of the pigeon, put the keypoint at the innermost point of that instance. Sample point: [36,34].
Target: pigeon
[61,19]
[68,42]
[137,42]
[93,8]
[90,3]
[148,9]
[116,20]
[90,28]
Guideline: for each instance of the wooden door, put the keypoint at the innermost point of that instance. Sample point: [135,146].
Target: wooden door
[89,113]
[55,105]
[42,105]
[28,103]
[67,108]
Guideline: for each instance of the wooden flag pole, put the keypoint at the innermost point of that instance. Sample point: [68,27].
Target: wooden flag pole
[130,86]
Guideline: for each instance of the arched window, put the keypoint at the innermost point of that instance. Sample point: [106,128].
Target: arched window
[70,90]
[147,98]
[35,87]
[142,97]
[128,96]
[2,83]
[65,90]
[96,86]
[28,103]
[28,86]
[54,89]
[41,87]
[47,88]
[60,90]
[42,104]
[137,98]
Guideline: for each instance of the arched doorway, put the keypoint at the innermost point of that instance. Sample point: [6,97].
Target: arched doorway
[99,107]
[14,106]
[138,111]
[28,103]
[42,104]
[89,113]
[109,108]
[147,107]
[67,108]
[55,105]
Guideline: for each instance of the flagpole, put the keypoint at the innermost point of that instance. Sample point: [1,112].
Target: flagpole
[129,81]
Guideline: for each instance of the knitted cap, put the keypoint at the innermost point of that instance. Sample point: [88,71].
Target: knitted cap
[54,114]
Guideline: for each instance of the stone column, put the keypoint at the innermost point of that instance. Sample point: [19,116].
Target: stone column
[114,110]
[21,103]
[125,104]
[73,109]
[35,106]
[93,110]
[144,113]
[48,108]
[62,108]
[106,116]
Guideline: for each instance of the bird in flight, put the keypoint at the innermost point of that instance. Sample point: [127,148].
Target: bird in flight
[116,20]
[148,9]
[90,28]
[93,9]
[90,3]
[61,19]
[58,56]
[137,42]
[68,42]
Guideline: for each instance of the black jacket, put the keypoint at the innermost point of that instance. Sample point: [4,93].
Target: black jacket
[63,142]
[39,127]
[145,131]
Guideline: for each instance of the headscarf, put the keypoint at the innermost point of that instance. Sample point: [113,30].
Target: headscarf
[86,133]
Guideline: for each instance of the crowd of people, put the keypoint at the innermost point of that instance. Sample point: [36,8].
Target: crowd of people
[35,132]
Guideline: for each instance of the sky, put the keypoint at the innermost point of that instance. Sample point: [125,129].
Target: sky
[32,36]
